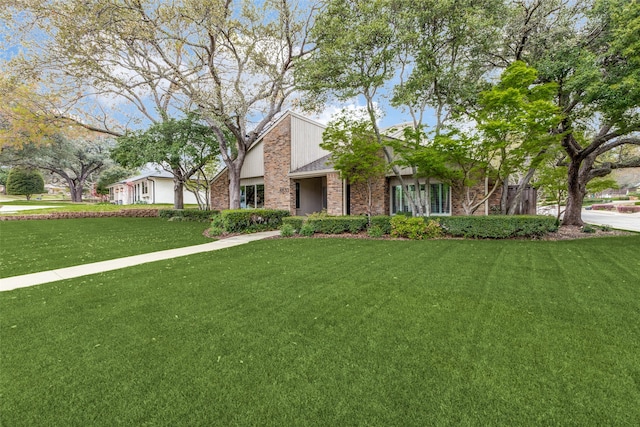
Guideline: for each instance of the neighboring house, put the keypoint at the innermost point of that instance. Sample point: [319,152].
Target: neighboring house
[149,187]
[287,169]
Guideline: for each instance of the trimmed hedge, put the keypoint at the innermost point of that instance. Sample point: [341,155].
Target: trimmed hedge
[498,226]
[628,209]
[415,228]
[294,221]
[607,207]
[142,213]
[383,222]
[338,224]
[188,214]
[252,220]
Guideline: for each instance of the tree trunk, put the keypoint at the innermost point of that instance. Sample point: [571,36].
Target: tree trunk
[575,195]
[75,190]
[511,207]
[178,194]
[234,186]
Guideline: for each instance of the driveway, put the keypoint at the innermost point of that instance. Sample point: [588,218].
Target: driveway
[621,221]
[17,208]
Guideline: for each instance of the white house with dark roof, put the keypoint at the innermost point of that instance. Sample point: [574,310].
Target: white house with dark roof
[150,187]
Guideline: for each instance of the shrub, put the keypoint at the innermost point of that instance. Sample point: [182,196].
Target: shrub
[600,207]
[383,222]
[187,214]
[415,228]
[294,221]
[307,230]
[375,231]
[498,226]
[252,220]
[337,224]
[588,229]
[287,230]
[628,209]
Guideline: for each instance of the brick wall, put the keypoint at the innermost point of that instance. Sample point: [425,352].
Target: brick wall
[220,192]
[279,189]
[457,197]
[335,194]
[379,195]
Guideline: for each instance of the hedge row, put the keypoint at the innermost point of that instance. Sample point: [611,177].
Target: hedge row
[250,220]
[628,209]
[498,226]
[479,227]
[141,213]
[187,214]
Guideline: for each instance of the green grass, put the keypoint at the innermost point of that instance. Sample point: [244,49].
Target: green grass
[31,246]
[333,332]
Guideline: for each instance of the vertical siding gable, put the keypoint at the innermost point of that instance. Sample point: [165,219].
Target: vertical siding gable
[306,137]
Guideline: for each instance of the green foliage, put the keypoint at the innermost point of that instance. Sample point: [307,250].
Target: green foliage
[24,182]
[588,228]
[498,226]
[415,228]
[188,214]
[111,176]
[383,222]
[337,224]
[252,220]
[287,230]
[307,230]
[597,185]
[295,221]
[375,232]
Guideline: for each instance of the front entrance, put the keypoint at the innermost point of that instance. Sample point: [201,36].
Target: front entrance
[311,195]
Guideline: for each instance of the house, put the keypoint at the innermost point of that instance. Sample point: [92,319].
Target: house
[287,169]
[149,187]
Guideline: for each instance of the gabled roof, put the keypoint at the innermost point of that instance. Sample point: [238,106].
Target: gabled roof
[145,175]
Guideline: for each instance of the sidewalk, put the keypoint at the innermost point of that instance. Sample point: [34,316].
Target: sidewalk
[15,282]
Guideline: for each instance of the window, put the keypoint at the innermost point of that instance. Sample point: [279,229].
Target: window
[438,199]
[145,187]
[297,195]
[401,202]
[252,196]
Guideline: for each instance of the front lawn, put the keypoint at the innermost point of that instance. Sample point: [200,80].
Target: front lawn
[38,245]
[335,332]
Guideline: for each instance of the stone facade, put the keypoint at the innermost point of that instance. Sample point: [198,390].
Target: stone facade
[279,189]
[335,194]
[379,197]
[220,192]
[457,197]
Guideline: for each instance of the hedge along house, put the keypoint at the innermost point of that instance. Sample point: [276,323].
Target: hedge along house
[287,169]
[150,187]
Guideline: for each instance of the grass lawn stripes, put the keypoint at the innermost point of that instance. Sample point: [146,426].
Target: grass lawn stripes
[32,246]
[324,332]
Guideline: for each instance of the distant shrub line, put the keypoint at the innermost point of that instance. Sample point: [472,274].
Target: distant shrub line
[139,213]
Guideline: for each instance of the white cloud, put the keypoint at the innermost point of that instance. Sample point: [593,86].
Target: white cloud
[332,111]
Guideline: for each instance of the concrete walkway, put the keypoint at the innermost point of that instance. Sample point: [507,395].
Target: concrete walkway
[15,282]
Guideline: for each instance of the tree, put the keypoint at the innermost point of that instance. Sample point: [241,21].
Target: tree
[24,182]
[355,152]
[232,60]
[432,49]
[182,147]
[4,174]
[588,49]
[76,157]
[111,176]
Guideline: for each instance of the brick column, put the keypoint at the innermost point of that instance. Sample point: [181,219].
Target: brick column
[335,194]
[220,192]
[278,188]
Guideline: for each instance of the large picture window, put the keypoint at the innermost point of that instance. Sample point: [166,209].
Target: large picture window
[438,199]
[252,196]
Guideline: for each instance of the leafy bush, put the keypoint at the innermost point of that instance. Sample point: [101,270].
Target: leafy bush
[375,231]
[381,221]
[498,226]
[637,203]
[415,228]
[187,214]
[252,220]
[588,229]
[287,230]
[606,207]
[337,224]
[294,221]
[307,230]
